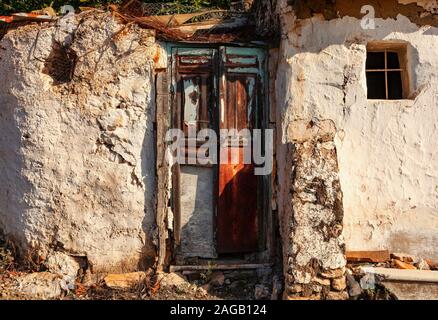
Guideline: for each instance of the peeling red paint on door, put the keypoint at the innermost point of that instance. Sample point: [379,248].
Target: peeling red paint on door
[237,227]
[238,202]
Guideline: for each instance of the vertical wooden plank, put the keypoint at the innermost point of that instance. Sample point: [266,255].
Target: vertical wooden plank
[176,123]
[230,105]
[386,74]
[203,111]
[242,107]
[176,197]
[272,73]
[162,122]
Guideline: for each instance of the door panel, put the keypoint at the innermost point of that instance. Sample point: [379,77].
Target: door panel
[237,227]
[197,207]
[194,104]
[240,101]
[238,203]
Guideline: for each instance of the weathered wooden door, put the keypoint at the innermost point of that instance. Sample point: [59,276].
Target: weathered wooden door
[238,215]
[219,88]
[195,108]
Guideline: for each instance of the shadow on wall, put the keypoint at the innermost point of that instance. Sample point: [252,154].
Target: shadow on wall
[148,172]
[197,213]
[238,230]
[14,186]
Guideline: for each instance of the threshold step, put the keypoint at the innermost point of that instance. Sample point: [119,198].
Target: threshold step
[174,268]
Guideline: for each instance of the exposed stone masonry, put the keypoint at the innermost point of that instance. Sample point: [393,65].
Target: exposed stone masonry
[314,245]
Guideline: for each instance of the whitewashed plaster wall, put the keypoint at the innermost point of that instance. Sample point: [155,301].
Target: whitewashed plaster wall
[387,150]
[77,159]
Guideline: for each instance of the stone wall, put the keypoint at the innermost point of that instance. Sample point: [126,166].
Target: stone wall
[313,216]
[77,160]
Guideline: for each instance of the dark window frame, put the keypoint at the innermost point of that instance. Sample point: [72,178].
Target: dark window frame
[390,47]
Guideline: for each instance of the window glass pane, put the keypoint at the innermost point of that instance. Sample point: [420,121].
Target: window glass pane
[393,61]
[376,85]
[375,60]
[395,88]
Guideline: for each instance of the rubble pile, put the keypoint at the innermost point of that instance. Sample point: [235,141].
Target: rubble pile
[368,273]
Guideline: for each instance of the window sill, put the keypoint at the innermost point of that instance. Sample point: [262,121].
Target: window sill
[405,102]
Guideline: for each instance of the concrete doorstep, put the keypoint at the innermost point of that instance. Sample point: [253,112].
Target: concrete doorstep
[407,284]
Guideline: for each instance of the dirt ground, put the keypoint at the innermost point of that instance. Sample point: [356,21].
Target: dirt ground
[206,285]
